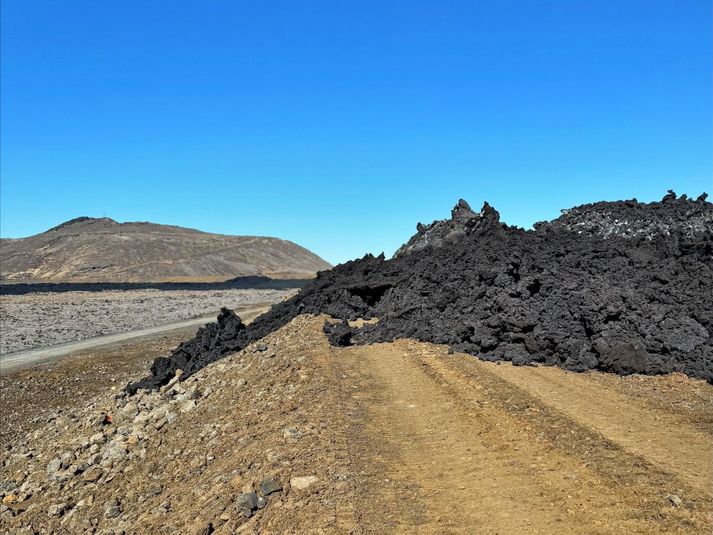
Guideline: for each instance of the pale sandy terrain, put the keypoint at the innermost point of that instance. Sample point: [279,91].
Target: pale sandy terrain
[46,319]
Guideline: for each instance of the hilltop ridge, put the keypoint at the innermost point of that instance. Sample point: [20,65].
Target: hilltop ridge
[87,249]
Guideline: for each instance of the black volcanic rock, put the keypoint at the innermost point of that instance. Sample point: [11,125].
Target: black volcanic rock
[211,342]
[621,286]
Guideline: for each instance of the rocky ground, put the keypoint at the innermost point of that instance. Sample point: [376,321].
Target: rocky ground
[45,319]
[39,394]
[291,435]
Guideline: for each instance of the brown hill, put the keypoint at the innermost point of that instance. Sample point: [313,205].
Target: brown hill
[103,250]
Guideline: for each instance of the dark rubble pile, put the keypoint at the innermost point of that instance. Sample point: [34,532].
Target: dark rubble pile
[616,286]
[631,219]
[212,342]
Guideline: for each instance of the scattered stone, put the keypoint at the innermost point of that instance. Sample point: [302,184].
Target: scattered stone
[675,500]
[165,507]
[114,453]
[66,459]
[142,418]
[177,390]
[246,503]
[97,439]
[303,482]
[112,509]
[201,528]
[188,406]
[269,485]
[86,502]
[53,466]
[176,375]
[154,490]
[57,510]
[236,482]
[93,474]
[190,393]
[291,434]
[9,499]
[130,410]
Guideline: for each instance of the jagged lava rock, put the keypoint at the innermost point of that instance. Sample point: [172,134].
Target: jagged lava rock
[619,286]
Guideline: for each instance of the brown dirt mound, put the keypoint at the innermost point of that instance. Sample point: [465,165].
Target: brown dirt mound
[397,437]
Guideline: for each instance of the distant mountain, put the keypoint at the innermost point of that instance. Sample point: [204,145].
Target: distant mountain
[89,249]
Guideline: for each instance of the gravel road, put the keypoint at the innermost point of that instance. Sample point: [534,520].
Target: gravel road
[43,320]
[11,362]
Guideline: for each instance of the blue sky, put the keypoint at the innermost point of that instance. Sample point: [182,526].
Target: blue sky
[339,124]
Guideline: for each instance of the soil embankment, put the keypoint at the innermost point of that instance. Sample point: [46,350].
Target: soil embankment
[398,437]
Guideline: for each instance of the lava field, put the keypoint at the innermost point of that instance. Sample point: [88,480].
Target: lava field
[623,287]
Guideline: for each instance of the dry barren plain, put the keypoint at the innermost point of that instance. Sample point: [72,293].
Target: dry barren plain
[46,319]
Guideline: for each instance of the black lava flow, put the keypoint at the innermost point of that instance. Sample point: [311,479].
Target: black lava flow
[623,287]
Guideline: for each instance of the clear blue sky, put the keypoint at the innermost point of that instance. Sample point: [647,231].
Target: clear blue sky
[339,124]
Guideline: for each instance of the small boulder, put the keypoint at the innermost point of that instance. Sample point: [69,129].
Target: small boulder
[675,500]
[93,474]
[112,509]
[57,509]
[246,503]
[303,483]
[53,466]
[291,434]
[269,485]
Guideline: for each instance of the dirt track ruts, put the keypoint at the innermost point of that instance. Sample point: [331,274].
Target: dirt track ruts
[464,446]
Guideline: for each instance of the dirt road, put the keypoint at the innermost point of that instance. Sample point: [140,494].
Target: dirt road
[13,362]
[393,438]
[464,446]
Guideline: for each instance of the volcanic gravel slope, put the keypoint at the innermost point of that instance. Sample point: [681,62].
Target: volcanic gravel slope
[617,286]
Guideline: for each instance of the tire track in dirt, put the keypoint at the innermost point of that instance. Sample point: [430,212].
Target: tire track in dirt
[462,450]
[660,437]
